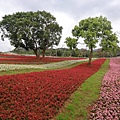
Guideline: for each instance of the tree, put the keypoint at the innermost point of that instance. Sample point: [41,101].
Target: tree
[31,30]
[109,44]
[95,30]
[9,29]
[71,43]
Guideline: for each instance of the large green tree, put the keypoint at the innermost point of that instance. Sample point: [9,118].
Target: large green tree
[31,30]
[96,30]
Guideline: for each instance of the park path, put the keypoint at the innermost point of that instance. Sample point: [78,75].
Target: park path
[108,105]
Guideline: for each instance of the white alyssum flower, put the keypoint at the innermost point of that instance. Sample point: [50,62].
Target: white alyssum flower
[5,67]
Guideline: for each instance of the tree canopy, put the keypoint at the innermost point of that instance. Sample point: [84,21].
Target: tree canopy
[94,30]
[71,42]
[31,30]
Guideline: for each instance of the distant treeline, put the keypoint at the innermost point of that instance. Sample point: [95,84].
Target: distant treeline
[65,52]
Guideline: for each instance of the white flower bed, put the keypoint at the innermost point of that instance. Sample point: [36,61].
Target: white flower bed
[5,67]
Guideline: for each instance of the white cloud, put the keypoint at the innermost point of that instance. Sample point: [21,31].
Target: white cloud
[68,12]
[67,23]
[5,46]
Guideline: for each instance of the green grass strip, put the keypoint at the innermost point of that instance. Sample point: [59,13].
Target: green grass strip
[81,101]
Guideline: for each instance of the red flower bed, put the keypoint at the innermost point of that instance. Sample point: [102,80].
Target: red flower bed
[39,95]
[17,59]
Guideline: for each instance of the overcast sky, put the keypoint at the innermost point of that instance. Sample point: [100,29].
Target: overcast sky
[67,12]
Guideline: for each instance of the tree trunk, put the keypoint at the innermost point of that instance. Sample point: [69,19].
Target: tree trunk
[90,56]
[70,52]
[43,53]
[37,53]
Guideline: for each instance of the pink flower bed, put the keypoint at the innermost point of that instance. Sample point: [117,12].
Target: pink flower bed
[39,95]
[108,105]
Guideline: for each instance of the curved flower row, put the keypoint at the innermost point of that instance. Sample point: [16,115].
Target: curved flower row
[17,59]
[39,95]
[4,67]
[108,105]
[3,55]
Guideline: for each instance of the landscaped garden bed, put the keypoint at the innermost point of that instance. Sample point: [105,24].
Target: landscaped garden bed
[108,105]
[40,95]
[22,59]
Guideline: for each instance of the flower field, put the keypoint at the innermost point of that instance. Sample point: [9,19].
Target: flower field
[108,105]
[39,95]
[20,59]
[55,65]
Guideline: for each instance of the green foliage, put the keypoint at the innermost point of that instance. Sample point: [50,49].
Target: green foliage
[31,30]
[109,43]
[94,30]
[71,42]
